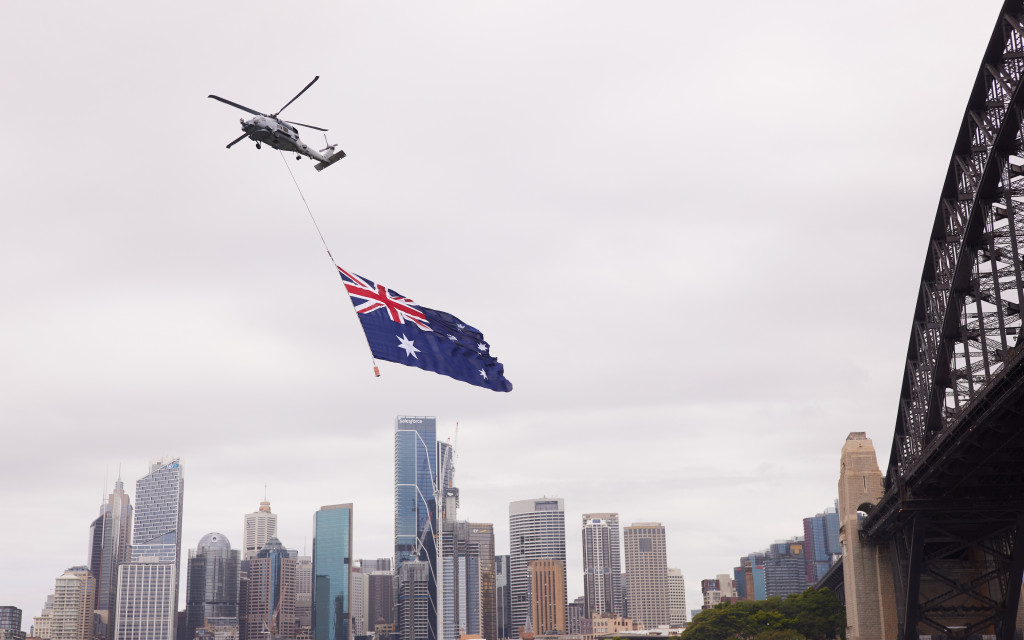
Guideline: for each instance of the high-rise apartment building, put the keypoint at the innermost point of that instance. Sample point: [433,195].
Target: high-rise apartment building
[602,565]
[547,596]
[467,565]
[785,571]
[821,543]
[270,596]
[211,594]
[109,538]
[503,596]
[73,598]
[536,532]
[259,527]
[647,573]
[147,586]
[357,588]
[416,486]
[676,597]
[332,564]
[41,623]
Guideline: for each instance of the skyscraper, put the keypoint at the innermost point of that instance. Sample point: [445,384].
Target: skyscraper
[211,596]
[73,598]
[332,563]
[481,535]
[503,596]
[109,549]
[784,569]
[676,597]
[260,526]
[147,587]
[270,596]
[380,605]
[821,543]
[414,601]
[416,474]
[304,598]
[536,532]
[547,596]
[647,573]
[602,565]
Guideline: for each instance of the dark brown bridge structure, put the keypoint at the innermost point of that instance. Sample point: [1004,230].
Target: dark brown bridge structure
[949,516]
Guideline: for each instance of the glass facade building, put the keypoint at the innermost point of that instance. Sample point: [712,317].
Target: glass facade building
[332,564]
[147,596]
[821,538]
[211,596]
[416,472]
[109,549]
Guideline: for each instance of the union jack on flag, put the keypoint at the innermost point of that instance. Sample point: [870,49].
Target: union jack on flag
[399,330]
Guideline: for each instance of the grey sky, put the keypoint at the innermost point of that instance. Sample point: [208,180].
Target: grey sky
[692,232]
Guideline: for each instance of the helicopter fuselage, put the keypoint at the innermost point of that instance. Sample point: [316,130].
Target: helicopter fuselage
[279,135]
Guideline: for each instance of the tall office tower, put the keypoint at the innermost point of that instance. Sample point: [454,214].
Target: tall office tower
[413,607]
[357,588]
[332,563]
[260,526]
[73,598]
[304,598]
[461,565]
[270,599]
[41,624]
[147,586]
[503,596]
[211,595]
[676,597]
[10,624]
[380,600]
[821,543]
[647,573]
[547,596]
[749,577]
[416,473]
[536,532]
[481,534]
[602,564]
[784,569]
[109,549]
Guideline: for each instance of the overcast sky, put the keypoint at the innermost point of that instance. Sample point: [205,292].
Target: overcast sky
[692,232]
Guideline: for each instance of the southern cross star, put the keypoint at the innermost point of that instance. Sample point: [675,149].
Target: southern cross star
[452,338]
[481,346]
[407,344]
[483,373]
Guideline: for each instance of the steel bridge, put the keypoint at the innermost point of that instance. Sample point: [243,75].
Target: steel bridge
[953,510]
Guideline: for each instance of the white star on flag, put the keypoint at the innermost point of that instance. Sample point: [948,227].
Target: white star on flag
[452,338]
[481,346]
[407,344]
[483,373]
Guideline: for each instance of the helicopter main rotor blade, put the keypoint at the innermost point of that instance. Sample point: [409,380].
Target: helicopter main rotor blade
[238,139]
[297,95]
[235,104]
[308,126]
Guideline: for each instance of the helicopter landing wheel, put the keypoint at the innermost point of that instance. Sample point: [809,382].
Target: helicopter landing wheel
[299,157]
[259,146]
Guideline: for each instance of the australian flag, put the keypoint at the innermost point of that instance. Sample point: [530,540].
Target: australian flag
[399,330]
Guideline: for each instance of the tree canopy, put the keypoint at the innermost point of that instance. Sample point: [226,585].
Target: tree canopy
[815,614]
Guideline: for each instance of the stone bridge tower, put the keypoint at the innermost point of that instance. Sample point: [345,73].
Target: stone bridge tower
[868,580]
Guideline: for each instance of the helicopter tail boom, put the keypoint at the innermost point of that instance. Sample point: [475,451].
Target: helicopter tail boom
[320,166]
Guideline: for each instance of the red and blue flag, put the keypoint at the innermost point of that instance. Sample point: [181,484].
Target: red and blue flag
[399,330]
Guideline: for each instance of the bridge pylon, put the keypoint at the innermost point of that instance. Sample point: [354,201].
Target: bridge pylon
[867,569]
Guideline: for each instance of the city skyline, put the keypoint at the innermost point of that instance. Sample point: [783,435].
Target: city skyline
[167,296]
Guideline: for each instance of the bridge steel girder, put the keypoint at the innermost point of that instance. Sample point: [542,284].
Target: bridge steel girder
[953,509]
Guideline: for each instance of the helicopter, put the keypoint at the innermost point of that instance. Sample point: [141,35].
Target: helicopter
[280,134]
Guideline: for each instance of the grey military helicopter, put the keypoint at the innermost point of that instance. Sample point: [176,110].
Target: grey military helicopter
[280,134]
